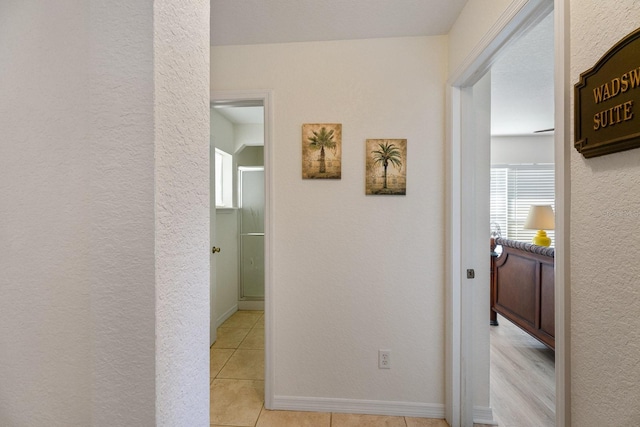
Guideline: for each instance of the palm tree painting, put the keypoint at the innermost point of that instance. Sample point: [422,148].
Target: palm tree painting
[322,151]
[386,171]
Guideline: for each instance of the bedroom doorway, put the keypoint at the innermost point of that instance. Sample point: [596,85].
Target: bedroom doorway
[522,368]
[468,378]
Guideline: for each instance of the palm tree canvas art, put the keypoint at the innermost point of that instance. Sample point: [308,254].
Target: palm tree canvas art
[386,166]
[322,151]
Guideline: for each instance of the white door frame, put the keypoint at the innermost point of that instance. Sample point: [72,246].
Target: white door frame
[520,16]
[266,97]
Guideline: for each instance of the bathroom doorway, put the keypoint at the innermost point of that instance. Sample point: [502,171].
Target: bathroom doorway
[237,136]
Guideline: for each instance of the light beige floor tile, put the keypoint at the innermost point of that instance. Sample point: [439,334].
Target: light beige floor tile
[217,359]
[244,364]
[254,340]
[425,422]
[236,402]
[242,319]
[230,338]
[353,420]
[260,322]
[293,419]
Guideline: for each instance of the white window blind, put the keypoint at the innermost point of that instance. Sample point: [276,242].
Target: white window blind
[514,188]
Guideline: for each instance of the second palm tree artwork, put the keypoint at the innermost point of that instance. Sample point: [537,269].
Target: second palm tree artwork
[386,166]
[322,151]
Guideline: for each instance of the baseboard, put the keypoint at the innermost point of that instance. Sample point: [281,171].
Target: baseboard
[251,305]
[355,406]
[226,315]
[483,415]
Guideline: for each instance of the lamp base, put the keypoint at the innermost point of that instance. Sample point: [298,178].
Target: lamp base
[541,239]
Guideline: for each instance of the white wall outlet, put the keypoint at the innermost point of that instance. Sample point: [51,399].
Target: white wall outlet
[384,359]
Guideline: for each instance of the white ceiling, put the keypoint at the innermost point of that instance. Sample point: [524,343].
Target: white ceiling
[522,84]
[522,78]
[242,115]
[283,21]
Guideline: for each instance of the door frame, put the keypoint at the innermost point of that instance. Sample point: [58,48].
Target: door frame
[519,17]
[266,96]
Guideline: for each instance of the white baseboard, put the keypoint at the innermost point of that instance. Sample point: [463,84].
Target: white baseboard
[226,315]
[251,305]
[355,406]
[483,415]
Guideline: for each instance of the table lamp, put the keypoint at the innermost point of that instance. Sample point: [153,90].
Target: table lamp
[540,218]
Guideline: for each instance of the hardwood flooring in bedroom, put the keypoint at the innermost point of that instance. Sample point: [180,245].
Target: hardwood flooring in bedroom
[522,378]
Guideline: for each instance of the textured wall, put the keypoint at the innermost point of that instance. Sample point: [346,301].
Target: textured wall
[354,273]
[85,118]
[45,173]
[121,208]
[181,56]
[605,245]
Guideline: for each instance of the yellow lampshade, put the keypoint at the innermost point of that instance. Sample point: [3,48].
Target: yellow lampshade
[540,218]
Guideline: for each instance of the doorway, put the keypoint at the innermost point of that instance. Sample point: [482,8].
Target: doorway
[245,225]
[238,135]
[522,175]
[468,379]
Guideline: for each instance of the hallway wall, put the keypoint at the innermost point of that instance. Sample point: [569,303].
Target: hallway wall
[104,204]
[45,180]
[605,245]
[353,273]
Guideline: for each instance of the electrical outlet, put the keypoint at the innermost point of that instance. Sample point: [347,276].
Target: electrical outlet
[384,359]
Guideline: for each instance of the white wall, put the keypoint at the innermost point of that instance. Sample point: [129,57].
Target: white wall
[605,245]
[250,156]
[249,135]
[226,230]
[182,207]
[46,271]
[354,274]
[222,133]
[92,286]
[475,20]
[521,149]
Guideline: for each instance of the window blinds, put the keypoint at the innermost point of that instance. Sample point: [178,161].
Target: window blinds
[513,189]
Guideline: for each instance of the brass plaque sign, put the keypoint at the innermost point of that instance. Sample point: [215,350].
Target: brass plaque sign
[607,101]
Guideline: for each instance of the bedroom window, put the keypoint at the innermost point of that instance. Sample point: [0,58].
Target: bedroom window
[224,179]
[513,189]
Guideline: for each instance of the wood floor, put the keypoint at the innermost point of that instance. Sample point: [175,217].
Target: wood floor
[522,378]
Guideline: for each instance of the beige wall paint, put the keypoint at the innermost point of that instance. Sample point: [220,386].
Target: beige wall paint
[475,20]
[354,274]
[605,245]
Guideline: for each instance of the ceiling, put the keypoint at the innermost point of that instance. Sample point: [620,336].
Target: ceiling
[242,115]
[522,77]
[283,21]
[522,84]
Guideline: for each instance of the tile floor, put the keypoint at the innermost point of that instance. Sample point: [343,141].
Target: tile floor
[237,385]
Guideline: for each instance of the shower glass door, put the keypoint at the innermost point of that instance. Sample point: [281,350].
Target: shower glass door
[251,211]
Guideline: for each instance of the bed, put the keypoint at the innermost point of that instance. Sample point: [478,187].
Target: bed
[522,287]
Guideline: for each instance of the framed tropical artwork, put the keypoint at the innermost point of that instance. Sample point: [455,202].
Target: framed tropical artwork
[322,151]
[386,166]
